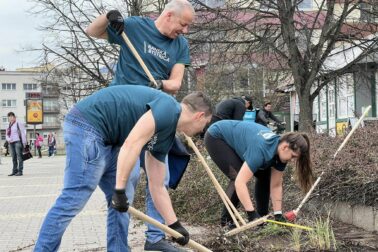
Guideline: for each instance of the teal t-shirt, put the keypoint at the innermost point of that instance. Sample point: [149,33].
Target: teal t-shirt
[252,142]
[114,111]
[158,52]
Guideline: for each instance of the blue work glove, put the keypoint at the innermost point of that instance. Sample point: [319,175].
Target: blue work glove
[119,200]
[116,21]
[185,235]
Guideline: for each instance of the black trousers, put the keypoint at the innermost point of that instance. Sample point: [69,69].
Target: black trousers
[230,163]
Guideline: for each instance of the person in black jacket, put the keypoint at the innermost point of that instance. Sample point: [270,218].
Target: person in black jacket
[265,114]
[230,109]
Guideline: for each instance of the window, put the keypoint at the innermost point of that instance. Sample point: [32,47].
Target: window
[305,4]
[30,86]
[50,120]
[4,119]
[50,105]
[8,103]
[268,5]
[8,86]
[210,3]
[369,11]
[3,136]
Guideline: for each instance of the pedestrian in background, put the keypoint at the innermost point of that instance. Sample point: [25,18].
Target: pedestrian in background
[16,137]
[51,143]
[38,143]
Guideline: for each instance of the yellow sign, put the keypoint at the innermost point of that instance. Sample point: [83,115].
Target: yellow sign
[341,127]
[34,111]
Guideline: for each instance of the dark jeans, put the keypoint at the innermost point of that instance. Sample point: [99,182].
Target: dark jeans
[39,151]
[16,152]
[51,150]
[230,163]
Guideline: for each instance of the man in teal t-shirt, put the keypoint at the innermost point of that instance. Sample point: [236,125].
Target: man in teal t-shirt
[104,135]
[165,52]
[159,52]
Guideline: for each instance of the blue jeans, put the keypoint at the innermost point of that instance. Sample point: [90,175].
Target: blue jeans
[51,150]
[89,163]
[16,152]
[153,234]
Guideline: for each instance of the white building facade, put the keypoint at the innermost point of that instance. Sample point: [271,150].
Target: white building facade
[13,88]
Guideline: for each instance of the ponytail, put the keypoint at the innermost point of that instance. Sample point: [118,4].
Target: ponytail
[300,143]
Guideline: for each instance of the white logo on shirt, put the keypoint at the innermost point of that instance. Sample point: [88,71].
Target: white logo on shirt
[152,142]
[266,134]
[156,52]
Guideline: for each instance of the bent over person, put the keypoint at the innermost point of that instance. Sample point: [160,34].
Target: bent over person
[165,51]
[104,135]
[243,150]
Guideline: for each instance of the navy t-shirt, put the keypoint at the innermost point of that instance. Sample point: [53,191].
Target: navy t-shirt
[159,53]
[254,143]
[114,111]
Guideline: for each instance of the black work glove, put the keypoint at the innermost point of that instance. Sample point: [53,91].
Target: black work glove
[185,235]
[116,21]
[280,218]
[119,200]
[158,85]
[252,215]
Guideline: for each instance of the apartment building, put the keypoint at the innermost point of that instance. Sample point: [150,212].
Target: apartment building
[14,86]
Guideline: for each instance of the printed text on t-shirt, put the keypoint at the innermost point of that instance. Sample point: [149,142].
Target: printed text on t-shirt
[156,52]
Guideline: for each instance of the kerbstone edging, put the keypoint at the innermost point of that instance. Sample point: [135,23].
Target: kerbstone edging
[365,217]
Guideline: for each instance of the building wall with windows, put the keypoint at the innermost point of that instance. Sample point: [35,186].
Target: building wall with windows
[13,88]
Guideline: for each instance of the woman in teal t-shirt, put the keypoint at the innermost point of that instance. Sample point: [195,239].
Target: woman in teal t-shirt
[243,150]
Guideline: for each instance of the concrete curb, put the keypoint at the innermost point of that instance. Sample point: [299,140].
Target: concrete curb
[365,217]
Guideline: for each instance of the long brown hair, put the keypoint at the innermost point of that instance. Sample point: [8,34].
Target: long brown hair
[300,143]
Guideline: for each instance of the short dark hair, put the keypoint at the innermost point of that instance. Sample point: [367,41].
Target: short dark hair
[267,103]
[247,98]
[198,102]
[11,114]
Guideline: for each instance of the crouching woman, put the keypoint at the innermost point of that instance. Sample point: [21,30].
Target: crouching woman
[243,150]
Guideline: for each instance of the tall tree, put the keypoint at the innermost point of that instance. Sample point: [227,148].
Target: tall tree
[299,35]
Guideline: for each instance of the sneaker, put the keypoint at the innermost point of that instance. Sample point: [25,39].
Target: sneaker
[162,245]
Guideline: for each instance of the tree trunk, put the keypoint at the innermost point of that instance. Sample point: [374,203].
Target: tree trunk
[305,112]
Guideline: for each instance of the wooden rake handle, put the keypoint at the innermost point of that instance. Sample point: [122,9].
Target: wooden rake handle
[334,156]
[247,226]
[139,59]
[218,187]
[166,229]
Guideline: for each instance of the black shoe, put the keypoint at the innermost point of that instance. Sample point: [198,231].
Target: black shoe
[12,174]
[18,174]
[162,245]
[228,225]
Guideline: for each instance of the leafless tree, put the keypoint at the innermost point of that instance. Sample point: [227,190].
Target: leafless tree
[81,64]
[240,44]
[283,32]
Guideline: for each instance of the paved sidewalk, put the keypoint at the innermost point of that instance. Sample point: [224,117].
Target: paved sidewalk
[24,202]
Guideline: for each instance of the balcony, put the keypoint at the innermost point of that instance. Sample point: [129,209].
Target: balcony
[50,94]
[51,110]
[51,125]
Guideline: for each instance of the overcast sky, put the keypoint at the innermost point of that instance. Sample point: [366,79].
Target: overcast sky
[17,33]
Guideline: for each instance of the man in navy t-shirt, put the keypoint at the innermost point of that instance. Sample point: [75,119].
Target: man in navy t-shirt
[165,52]
[104,135]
